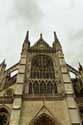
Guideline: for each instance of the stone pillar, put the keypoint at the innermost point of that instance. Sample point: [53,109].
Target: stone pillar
[17,103]
[68,88]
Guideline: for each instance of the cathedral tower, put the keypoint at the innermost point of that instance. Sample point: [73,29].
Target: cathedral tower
[41,91]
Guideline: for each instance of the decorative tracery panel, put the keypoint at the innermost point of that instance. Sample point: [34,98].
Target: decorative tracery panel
[42,67]
[37,87]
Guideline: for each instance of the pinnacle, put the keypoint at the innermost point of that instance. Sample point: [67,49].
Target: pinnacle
[27,37]
[41,36]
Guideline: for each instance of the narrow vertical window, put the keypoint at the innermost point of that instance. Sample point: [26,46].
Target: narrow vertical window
[49,88]
[30,88]
[36,88]
[42,88]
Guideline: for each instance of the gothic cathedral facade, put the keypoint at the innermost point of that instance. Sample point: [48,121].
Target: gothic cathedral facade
[38,90]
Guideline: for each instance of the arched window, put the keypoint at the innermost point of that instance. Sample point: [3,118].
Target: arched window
[4,116]
[42,67]
[55,88]
[49,88]
[30,88]
[36,88]
[42,88]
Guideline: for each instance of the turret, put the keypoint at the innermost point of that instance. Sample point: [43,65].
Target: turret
[2,74]
[2,67]
[26,44]
[56,44]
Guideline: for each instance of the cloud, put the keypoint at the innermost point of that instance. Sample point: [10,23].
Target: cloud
[28,10]
[65,17]
[77,35]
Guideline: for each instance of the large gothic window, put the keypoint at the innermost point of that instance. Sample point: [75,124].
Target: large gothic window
[4,117]
[42,67]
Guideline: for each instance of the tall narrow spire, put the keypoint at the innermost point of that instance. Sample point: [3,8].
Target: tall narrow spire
[41,37]
[80,67]
[3,63]
[56,43]
[26,43]
[55,36]
[27,37]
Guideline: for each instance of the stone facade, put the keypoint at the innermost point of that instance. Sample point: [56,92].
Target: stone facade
[41,90]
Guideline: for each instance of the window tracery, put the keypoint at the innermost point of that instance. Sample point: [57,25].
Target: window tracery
[38,87]
[42,67]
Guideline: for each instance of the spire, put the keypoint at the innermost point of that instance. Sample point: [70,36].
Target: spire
[3,65]
[55,36]
[80,67]
[26,43]
[27,37]
[56,43]
[41,36]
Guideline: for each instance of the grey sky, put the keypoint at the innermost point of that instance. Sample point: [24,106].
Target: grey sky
[18,16]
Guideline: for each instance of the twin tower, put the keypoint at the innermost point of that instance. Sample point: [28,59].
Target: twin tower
[38,90]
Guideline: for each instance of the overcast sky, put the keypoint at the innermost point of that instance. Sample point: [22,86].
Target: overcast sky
[41,16]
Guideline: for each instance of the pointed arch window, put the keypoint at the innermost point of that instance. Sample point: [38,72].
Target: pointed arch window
[42,67]
[30,88]
[55,88]
[49,88]
[36,87]
[42,88]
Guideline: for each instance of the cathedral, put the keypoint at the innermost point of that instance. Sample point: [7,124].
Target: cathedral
[39,90]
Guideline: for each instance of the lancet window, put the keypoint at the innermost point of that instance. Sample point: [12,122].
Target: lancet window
[49,88]
[38,87]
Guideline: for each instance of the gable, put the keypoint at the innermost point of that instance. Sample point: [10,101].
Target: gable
[44,111]
[41,45]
